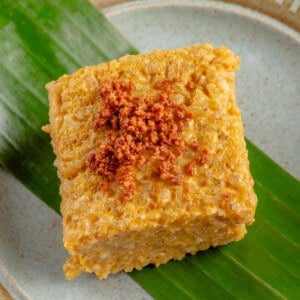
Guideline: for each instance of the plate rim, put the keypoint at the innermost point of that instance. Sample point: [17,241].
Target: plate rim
[237,9]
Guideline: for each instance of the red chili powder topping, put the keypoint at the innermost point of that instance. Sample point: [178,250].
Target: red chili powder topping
[190,168]
[203,159]
[194,146]
[138,128]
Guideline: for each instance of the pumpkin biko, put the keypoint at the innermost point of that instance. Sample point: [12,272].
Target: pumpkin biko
[151,157]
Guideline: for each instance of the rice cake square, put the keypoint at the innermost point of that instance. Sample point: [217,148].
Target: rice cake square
[151,157]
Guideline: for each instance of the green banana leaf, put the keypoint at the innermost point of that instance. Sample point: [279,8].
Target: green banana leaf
[41,40]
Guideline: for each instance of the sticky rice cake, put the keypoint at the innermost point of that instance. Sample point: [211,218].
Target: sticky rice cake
[212,202]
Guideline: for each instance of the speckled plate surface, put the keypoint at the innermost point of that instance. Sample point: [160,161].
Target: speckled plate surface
[268,84]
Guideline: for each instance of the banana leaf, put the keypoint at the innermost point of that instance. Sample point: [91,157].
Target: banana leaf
[41,40]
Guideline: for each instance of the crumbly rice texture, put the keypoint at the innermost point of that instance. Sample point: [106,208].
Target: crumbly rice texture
[211,202]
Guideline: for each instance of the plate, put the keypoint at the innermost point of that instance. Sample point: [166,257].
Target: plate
[31,250]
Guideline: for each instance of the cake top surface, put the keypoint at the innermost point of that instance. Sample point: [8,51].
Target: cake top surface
[138,128]
[151,137]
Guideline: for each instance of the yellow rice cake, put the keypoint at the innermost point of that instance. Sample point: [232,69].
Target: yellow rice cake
[210,207]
